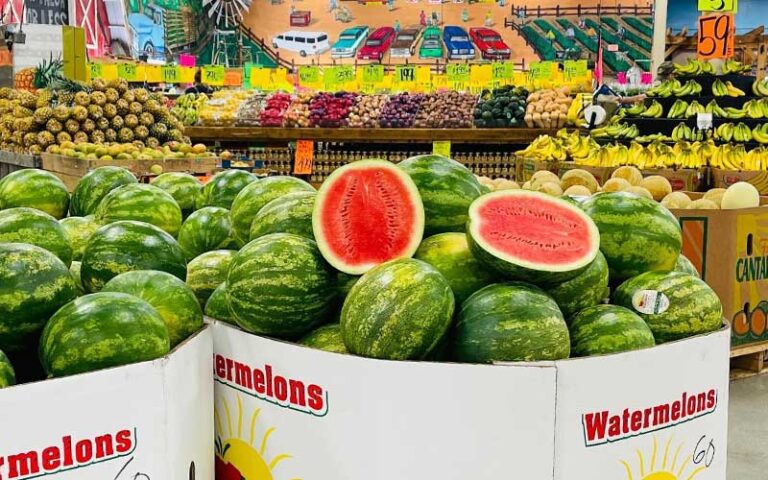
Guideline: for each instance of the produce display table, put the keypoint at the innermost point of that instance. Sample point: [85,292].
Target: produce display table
[10,162]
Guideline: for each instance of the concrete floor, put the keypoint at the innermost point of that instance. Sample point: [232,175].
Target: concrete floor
[748,429]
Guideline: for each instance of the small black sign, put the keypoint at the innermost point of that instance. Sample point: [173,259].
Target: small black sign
[48,12]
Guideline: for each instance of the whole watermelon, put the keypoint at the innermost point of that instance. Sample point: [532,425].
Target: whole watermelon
[398,310]
[7,374]
[675,305]
[78,231]
[447,189]
[102,330]
[291,213]
[636,234]
[586,290]
[256,195]
[207,271]
[172,298]
[217,306]
[449,254]
[94,186]
[35,188]
[126,246]
[28,225]
[506,322]
[183,187]
[206,229]
[142,203]
[686,266]
[280,285]
[34,283]
[604,329]
[327,337]
[222,189]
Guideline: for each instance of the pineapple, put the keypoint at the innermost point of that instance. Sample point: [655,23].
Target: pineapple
[35,150]
[131,121]
[97,137]
[24,125]
[43,114]
[175,135]
[22,112]
[83,99]
[98,85]
[62,137]
[80,137]
[88,126]
[72,126]
[28,100]
[141,132]
[17,137]
[5,93]
[95,112]
[110,135]
[109,110]
[44,98]
[98,98]
[122,106]
[79,113]
[61,113]
[136,108]
[139,144]
[125,135]
[65,98]
[54,126]
[118,122]
[158,97]
[129,97]
[141,94]
[29,139]
[146,119]
[152,142]
[122,85]
[159,130]
[154,107]
[102,124]
[112,95]
[45,138]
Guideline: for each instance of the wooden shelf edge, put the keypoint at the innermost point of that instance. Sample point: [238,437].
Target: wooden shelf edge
[749,348]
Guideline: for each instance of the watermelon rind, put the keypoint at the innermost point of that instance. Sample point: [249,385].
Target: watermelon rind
[183,187]
[253,197]
[142,203]
[74,269]
[102,330]
[207,271]
[327,338]
[637,234]
[126,246]
[217,306]
[506,322]
[34,188]
[317,227]
[291,213]
[78,231]
[94,186]
[515,268]
[209,228]
[694,308]
[398,310]
[605,329]
[586,290]
[279,285]
[686,266]
[447,189]
[172,298]
[449,253]
[7,373]
[35,227]
[222,188]
[34,283]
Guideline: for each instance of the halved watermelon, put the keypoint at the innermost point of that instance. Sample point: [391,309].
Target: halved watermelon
[531,236]
[367,213]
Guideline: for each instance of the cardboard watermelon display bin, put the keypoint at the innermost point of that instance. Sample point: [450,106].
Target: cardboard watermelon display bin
[146,421]
[284,411]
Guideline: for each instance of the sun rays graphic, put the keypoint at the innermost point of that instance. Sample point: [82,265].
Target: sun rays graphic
[244,457]
[668,466]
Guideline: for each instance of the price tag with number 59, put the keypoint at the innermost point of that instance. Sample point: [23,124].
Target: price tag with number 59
[716,36]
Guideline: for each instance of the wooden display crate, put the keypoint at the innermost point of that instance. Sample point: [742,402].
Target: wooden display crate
[726,178]
[10,162]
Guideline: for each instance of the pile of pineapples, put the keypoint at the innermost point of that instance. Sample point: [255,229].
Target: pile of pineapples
[61,111]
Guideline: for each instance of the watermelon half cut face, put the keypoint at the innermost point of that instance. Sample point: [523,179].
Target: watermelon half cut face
[367,213]
[531,236]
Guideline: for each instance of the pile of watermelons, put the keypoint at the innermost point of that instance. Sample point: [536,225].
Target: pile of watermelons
[503,107]
[408,261]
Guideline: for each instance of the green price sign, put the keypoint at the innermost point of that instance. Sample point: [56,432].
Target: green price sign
[575,68]
[457,72]
[171,74]
[97,70]
[405,74]
[309,74]
[127,71]
[541,70]
[344,74]
[373,73]
[719,6]
[502,70]
[214,74]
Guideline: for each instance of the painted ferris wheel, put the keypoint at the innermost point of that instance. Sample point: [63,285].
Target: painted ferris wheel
[228,46]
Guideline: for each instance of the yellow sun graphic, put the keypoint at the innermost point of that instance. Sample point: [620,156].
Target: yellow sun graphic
[238,457]
[664,468]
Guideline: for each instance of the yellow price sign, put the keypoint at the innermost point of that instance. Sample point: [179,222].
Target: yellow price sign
[309,75]
[502,70]
[213,74]
[541,70]
[344,74]
[171,74]
[575,69]
[373,73]
[97,70]
[128,71]
[405,74]
[719,6]
[442,148]
[457,72]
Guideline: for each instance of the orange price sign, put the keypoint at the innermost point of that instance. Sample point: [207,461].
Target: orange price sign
[305,153]
[716,36]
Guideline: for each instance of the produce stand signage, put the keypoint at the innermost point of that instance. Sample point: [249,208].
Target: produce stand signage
[96,70]
[541,70]
[128,71]
[171,74]
[502,71]
[213,75]
[718,5]
[405,77]
[309,75]
[305,154]
[442,148]
[716,35]
[49,12]
[373,74]
[575,69]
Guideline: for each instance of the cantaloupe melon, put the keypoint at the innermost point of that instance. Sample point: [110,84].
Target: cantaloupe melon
[703,204]
[616,185]
[628,173]
[579,177]
[551,188]
[577,191]
[740,195]
[641,191]
[715,194]
[658,186]
[676,200]
[543,176]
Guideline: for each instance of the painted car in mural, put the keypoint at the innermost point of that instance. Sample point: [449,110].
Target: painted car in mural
[405,42]
[458,46]
[148,29]
[377,44]
[349,41]
[303,43]
[490,44]
[432,44]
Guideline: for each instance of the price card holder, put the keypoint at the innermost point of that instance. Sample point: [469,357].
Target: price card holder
[127,71]
[305,154]
[457,72]
[171,74]
[502,71]
[575,69]
[541,70]
[233,77]
[716,36]
[308,75]
[96,70]
[719,6]
[704,121]
[442,148]
[373,74]
[153,74]
[213,75]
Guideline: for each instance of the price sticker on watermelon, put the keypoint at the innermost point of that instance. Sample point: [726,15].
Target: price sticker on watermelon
[305,154]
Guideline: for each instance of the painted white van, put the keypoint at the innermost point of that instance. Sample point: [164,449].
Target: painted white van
[305,43]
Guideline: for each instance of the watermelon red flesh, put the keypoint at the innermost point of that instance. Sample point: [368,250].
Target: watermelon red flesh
[367,213]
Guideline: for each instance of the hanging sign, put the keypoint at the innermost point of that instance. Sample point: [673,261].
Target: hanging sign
[171,74]
[305,153]
[128,71]
[309,75]
[541,70]
[442,148]
[502,70]
[716,36]
[373,73]
[213,75]
[719,5]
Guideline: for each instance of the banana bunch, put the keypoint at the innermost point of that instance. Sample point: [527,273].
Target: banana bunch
[753,109]
[664,89]
[636,109]
[760,133]
[742,133]
[705,151]
[724,132]
[694,108]
[678,109]
[691,87]
[728,132]
[545,148]
[736,68]
[575,114]
[654,137]
[760,87]
[187,107]
[734,113]
[695,67]
[735,157]
[617,130]
[715,109]
[684,132]
[726,89]
[654,111]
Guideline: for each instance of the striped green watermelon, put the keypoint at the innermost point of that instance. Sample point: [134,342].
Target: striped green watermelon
[222,189]
[636,234]
[74,269]
[27,225]
[183,187]
[35,188]
[447,188]
[531,236]
[78,231]
[217,306]
[675,305]
[208,271]
[604,329]
[33,285]
[291,213]
[279,285]
[207,229]
[253,197]
[512,321]
[102,330]
[142,203]
[327,337]
[172,298]
[126,246]
[7,374]
[449,254]
[686,266]
[397,311]
[586,290]
[94,186]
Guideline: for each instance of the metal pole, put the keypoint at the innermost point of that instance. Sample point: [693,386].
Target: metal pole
[659,35]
